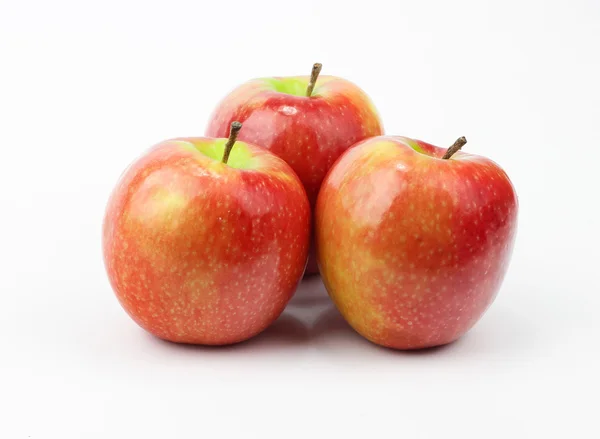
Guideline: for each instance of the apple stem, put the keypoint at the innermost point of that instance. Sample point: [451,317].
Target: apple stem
[233,133]
[460,142]
[313,78]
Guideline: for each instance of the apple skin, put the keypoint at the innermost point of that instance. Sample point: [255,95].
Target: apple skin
[412,248]
[309,133]
[202,252]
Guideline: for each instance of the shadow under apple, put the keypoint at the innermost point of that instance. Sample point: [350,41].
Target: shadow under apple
[287,332]
[503,331]
[332,333]
[311,293]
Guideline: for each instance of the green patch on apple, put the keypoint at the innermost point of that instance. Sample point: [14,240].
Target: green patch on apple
[240,157]
[290,86]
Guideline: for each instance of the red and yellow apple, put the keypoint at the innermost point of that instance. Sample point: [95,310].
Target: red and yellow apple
[308,122]
[413,241]
[206,244]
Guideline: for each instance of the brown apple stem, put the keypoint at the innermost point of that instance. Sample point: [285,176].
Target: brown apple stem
[460,142]
[313,78]
[233,133]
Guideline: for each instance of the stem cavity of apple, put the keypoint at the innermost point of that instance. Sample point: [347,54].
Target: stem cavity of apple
[460,142]
[233,133]
[313,78]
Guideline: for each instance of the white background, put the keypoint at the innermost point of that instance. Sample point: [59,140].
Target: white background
[85,87]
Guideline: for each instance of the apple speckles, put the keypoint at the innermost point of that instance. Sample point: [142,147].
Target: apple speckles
[310,139]
[169,274]
[453,237]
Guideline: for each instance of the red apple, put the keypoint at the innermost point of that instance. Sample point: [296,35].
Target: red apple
[413,240]
[307,122]
[206,244]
